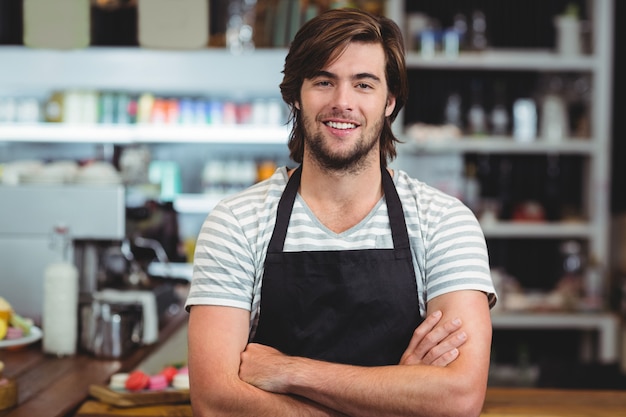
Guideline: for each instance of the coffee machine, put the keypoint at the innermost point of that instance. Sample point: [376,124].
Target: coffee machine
[29,213]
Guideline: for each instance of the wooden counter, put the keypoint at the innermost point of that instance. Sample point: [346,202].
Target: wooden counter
[56,387]
[537,402]
[500,402]
[52,387]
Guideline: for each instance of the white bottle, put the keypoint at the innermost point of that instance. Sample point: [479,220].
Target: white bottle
[524,120]
[554,119]
[60,301]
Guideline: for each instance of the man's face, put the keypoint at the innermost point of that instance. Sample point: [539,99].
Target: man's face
[343,108]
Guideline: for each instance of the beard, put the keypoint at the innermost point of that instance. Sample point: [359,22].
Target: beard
[351,161]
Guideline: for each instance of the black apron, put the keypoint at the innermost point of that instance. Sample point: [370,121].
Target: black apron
[356,307]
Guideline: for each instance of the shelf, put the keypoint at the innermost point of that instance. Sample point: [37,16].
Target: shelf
[128,134]
[606,324]
[212,71]
[510,60]
[536,230]
[501,144]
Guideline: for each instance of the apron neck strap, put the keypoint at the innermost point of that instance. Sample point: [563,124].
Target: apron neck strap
[285,205]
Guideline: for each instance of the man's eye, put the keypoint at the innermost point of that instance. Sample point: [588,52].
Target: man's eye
[364,86]
[323,83]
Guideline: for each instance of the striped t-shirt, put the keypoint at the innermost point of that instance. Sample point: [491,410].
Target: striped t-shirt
[447,243]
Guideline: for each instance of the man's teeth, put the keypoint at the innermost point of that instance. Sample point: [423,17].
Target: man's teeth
[337,125]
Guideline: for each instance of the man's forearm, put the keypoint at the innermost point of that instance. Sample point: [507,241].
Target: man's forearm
[242,399]
[397,390]
[413,390]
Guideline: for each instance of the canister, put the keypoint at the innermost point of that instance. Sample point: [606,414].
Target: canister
[173,24]
[59,24]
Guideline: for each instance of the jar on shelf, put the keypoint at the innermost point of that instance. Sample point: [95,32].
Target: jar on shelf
[62,24]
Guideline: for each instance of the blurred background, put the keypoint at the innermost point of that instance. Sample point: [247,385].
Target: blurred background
[125,121]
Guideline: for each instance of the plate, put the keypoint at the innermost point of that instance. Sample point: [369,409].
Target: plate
[35,335]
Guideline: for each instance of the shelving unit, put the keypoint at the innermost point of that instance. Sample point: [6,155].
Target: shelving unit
[217,72]
[594,151]
[596,148]
[211,72]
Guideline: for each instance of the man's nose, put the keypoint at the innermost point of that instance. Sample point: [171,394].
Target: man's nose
[343,97]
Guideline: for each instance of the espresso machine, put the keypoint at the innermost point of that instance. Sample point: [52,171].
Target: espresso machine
[120,299]
[93,215]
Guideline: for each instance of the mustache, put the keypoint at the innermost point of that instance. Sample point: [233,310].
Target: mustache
[338,115]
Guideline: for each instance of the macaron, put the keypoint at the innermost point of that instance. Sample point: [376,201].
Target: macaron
[181,381]
[137,380]
[14,333]
[118,381]
[158,383]
[169,372]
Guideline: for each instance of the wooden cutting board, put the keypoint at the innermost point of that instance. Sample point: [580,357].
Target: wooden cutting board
[100,409]
[141,398]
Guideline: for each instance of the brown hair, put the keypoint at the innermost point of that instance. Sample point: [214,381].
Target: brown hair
[322,39]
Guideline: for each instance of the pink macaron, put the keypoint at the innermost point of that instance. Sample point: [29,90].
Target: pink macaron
[157,383]
[14,333]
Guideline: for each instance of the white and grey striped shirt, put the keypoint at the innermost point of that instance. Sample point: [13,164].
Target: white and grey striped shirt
[447,243]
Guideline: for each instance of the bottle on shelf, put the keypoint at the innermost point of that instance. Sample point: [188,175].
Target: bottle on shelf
[572,272]
[554,117]
[593,285]
[476,116]
[240,26]
[460,27]
[471,188]
[53,108]
[524,120]
[453,111]
[478,33]
[499,117]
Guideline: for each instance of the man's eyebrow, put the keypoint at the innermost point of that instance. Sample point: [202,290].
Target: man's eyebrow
[366,75]
[325,74]
[359,76]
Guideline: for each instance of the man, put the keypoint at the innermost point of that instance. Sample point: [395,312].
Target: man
[309,288]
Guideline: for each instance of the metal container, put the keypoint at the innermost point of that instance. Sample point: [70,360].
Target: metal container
[111,329]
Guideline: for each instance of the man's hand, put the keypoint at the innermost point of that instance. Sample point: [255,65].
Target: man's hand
[434,344]
[261,366]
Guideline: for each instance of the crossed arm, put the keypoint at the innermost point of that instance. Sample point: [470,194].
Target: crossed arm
[443,371]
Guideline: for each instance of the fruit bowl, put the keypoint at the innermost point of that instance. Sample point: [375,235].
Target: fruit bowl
[34,335]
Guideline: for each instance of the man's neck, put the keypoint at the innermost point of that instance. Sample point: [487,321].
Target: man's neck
[340,200]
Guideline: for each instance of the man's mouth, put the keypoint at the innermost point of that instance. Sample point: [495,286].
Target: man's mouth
[341,125]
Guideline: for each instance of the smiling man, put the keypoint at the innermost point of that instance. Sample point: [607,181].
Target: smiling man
[341,287]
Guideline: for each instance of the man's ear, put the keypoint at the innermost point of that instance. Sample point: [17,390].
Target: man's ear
[297,105]
[391,105]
